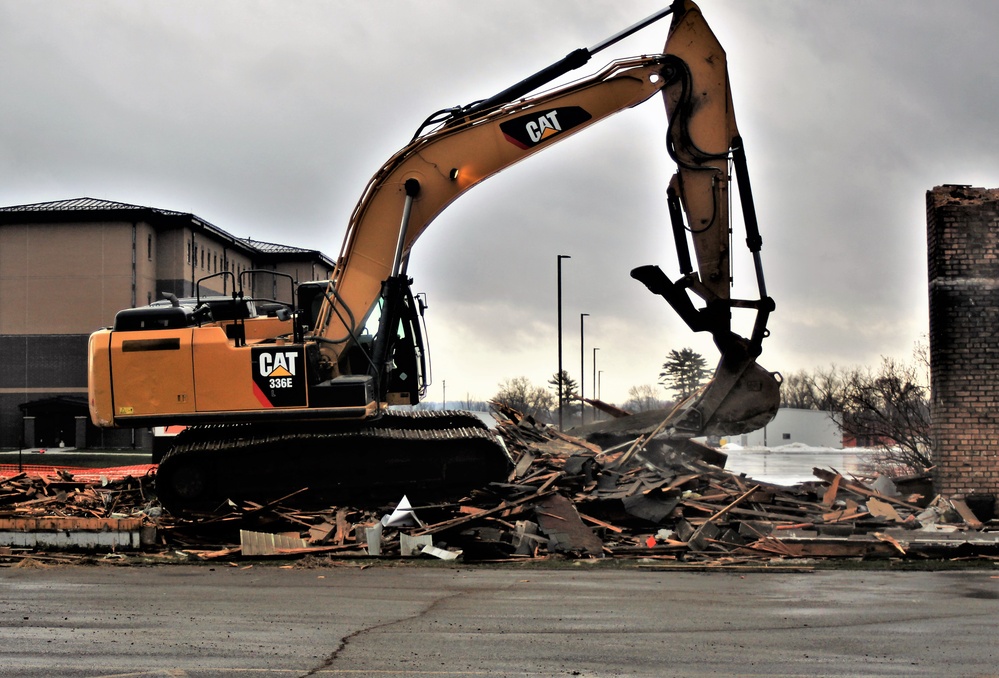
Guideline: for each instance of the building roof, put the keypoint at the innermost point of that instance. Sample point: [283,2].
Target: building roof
[82,205]
[76,209]
[276,249]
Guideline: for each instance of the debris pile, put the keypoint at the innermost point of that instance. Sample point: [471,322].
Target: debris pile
[59,510]
[564,498]
[67,495]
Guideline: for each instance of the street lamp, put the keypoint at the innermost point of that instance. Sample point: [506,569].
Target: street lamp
[582,371]
[594,387]
[600,378]
[595,349]
[558,377]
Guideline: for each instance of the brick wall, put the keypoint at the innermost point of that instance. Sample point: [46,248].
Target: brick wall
[963,248]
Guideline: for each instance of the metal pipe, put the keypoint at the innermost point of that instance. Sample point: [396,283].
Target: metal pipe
[412,190]
[634,28]
[569,62]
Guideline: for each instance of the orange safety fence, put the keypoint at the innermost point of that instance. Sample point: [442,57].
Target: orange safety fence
[81,474]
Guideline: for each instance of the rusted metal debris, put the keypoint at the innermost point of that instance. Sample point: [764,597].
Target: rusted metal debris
[564,498]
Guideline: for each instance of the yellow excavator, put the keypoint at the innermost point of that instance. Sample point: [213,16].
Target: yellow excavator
[301,397]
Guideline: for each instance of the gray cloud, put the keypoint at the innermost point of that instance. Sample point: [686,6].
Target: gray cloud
[267,119]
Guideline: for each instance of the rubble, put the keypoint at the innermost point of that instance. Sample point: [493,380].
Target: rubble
[565,498]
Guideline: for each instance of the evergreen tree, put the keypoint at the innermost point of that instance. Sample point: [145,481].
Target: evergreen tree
[569,386]
[684,372]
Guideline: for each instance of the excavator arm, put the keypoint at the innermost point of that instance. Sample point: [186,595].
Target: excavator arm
[467,144]
[704,141]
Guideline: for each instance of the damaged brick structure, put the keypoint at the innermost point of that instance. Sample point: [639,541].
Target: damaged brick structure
[963,248]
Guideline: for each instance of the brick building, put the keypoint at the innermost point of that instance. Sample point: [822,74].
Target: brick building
[963,246]
[67,267]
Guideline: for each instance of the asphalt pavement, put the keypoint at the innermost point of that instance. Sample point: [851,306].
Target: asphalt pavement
[262,620]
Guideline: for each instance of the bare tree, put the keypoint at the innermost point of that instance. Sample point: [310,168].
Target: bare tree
[644,398]
[828,387]
[823,389]
[530,400]
[889,409]
[796,391]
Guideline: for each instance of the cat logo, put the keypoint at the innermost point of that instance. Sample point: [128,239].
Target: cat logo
[279,376]
[278,364]
[530,130]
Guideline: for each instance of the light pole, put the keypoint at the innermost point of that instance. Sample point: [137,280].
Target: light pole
[600,378]
[594,387]
[558,377]
[582,370]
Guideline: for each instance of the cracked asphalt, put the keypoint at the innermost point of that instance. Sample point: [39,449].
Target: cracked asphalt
[462,621]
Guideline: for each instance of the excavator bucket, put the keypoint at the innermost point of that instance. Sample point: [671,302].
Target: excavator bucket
[735,401]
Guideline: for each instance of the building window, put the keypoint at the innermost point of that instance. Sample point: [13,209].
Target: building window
[202,257]
[215,263]
[149,298]
[149,247]
[188,251]
[786,436]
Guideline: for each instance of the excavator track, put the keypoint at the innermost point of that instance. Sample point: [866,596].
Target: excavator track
[427,455]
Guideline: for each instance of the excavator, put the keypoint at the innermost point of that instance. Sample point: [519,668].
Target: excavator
[300,400]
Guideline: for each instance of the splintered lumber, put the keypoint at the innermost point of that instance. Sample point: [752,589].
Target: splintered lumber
[463,520]
[860,489]
[890,540]
[342,526]
[576,441]
[966,513]
[318,534]
[830,496]
[882,509]
[601,523]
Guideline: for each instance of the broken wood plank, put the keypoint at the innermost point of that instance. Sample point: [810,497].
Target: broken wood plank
[882,509]
[830,495]
[601,523]
[497,510]
[860,489]
[343,531]
[575,441]
[967,515]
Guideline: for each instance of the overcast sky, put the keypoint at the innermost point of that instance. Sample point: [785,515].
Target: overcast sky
[268,118]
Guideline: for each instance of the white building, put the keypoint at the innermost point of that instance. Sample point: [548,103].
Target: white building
[807,427]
